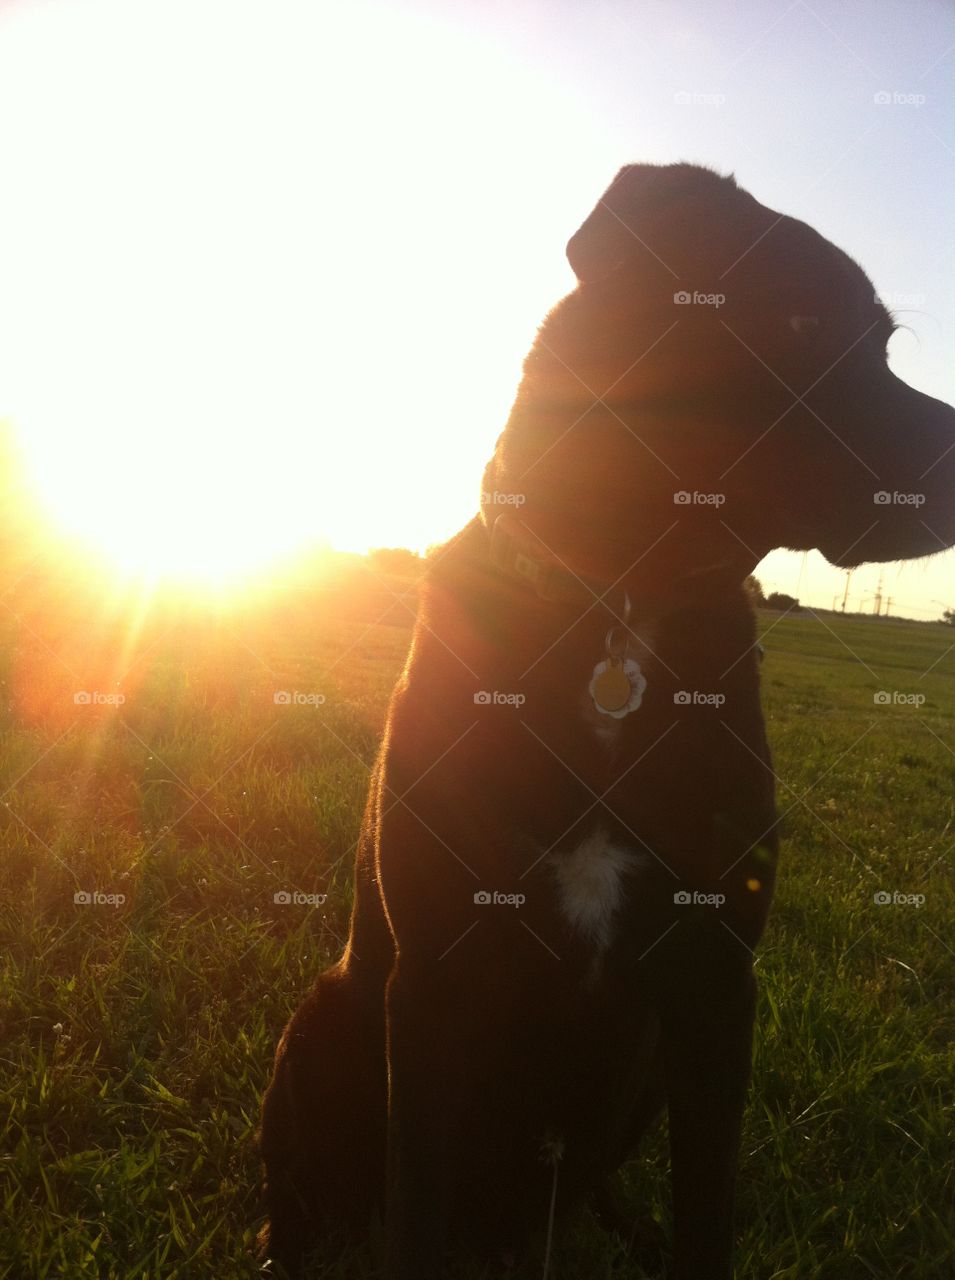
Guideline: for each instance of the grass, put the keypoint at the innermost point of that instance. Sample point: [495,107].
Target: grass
[137,1036]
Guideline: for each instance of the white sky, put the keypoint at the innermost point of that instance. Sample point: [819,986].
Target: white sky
[268,269]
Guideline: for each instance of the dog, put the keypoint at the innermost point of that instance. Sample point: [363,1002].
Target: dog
[569,847]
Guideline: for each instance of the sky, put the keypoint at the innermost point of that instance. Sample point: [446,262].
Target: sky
[269,269]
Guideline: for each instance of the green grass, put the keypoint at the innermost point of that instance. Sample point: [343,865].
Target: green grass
[137,1038]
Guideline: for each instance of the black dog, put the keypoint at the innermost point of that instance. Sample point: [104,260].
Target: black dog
[568,852]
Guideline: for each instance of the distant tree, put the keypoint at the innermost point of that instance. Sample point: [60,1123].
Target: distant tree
[949,617]
[779,600]
[396,560]
[754,590]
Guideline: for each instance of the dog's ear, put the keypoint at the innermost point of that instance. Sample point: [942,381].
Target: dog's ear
[615,231]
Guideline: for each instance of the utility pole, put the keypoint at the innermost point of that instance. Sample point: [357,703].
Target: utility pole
[877,605]
[845,594]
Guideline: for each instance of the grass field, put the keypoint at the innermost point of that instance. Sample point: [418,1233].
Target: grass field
[137,1035]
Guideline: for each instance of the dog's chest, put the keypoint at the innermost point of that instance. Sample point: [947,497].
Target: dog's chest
[593,880]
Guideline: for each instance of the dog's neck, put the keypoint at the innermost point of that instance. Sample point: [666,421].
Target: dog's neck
[520,554]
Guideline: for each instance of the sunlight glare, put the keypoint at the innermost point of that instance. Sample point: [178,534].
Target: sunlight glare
[252,271]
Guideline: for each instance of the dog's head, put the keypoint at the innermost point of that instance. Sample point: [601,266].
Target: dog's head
[716,387]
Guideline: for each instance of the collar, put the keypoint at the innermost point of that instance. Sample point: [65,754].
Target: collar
[518,553]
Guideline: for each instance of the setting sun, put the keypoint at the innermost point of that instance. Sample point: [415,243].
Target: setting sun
[229,331]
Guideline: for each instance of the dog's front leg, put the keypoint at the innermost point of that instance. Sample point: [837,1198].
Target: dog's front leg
[419,1122]
[707,1043]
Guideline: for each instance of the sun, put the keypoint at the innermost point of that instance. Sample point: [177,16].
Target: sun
[264,288]
[169,506]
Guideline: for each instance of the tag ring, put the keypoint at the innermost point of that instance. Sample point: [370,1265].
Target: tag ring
[617,639]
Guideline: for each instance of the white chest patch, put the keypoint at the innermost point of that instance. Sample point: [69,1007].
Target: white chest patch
[591,884]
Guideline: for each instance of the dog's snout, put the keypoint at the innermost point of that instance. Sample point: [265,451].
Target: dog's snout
[896,500]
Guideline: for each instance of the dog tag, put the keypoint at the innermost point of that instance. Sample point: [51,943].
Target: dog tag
[617,684]
[617,687]
[610,687]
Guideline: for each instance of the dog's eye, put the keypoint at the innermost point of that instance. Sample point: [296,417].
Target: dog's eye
[804,325]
